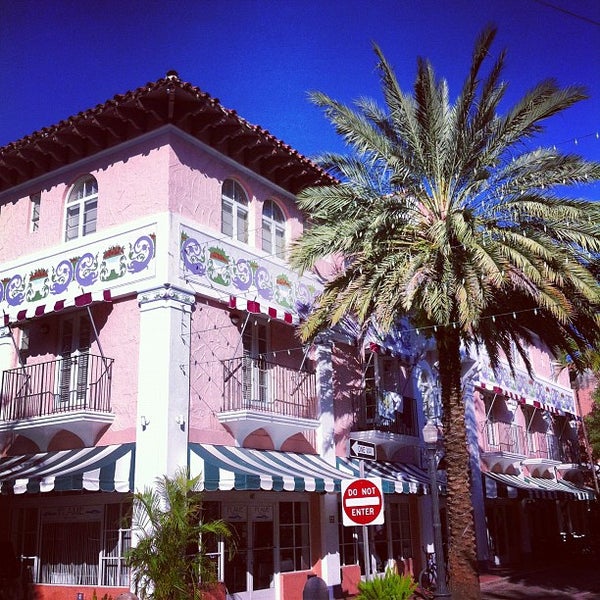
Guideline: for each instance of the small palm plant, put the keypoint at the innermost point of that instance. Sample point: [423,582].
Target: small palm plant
[391,586]
[169,560]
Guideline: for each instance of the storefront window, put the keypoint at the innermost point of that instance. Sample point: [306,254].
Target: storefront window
[294,547]
[390,541]
[117,541]
[348,544]
[69,553]
[401,534]
[75,545]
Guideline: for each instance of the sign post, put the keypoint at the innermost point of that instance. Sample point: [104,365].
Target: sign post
[371,497]
[362,504]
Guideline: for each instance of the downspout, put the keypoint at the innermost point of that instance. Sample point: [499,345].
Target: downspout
[586,441]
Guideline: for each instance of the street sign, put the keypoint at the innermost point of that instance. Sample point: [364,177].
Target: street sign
[363,450]
[362,502]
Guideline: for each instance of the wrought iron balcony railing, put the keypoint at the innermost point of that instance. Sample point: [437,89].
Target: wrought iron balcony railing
[571,451]
[504,437]
[388,412]
[544,445]
[507,437]
[68,384]
[259,385]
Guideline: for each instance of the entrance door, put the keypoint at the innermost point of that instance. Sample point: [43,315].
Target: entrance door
[72,377]
[255,373]
[249,575]
[261,566]
[505,533]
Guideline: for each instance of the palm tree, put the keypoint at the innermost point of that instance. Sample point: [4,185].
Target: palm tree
[169,560]
[442,212]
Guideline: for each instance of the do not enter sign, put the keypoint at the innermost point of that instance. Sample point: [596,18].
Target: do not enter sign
[362,502]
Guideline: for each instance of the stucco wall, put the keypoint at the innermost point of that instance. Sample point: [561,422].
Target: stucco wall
[195,180]
[132,182]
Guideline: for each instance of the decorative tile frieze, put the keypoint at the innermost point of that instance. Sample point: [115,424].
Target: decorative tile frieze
[216,265]
[525,389]
[123,259]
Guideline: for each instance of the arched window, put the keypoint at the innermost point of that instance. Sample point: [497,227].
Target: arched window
[273,229]
[82,208]
[234,211]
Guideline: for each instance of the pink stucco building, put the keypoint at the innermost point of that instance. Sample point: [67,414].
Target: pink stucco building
[148,324]
[535,495]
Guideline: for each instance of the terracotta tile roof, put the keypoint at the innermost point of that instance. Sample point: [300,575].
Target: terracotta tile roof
[166,101]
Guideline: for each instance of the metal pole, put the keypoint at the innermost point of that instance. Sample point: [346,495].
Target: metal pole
[365,531]
[586,440]
[441,589]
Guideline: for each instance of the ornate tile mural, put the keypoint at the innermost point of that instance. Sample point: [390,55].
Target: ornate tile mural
[216,264]
[522,387]
[95,266]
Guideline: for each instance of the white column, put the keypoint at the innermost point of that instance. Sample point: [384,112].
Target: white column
[7,352]
[325,431]
[330,548]
[7,349]
[163,383]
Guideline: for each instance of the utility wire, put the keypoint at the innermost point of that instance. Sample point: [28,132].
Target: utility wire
[568,12]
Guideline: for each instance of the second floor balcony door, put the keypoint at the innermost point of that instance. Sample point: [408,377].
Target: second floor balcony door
[74,347]
[255,373]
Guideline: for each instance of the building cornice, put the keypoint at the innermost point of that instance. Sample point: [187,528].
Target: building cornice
[168,101]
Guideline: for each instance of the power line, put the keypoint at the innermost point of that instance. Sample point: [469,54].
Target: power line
[568,12]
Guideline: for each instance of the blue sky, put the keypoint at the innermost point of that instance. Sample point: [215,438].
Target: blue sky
[261,57]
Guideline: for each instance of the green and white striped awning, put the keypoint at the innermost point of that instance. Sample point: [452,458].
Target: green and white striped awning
[564,488]
[230,468]
[397,478]
[535,487]
[101,468]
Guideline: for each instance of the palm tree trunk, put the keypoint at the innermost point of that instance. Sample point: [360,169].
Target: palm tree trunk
[462,550]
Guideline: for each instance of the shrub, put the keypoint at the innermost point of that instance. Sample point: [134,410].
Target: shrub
[391,586]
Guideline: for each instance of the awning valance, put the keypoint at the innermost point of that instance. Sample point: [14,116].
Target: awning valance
[256,307]
[16,314]
[397,477]
[230,468]
[563,487]
[535,487]
[102,468]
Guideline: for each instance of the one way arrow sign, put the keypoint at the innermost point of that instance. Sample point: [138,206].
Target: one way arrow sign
[363,450]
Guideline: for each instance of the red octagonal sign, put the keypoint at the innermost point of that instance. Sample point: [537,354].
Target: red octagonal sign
[362,501]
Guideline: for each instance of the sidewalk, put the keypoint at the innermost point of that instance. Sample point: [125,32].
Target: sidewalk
[573,582]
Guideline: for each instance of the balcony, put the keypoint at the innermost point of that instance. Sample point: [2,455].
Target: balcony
[546,450]
[258,394]
[570,451]
[504,444]
[71,393]
[504,437]
[543,446]
[387,419]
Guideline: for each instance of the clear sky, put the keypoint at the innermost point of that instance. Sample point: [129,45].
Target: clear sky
[261,57]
